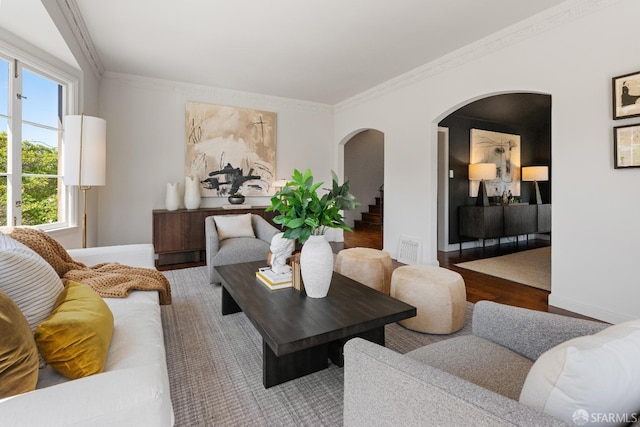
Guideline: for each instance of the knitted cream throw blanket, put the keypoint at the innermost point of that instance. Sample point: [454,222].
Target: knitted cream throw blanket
[111,280]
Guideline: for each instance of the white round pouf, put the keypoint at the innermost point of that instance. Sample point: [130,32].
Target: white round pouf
[316,266]
[371,267]
[438,294]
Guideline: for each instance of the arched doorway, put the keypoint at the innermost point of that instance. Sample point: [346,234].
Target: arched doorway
[364,169]
[527,115]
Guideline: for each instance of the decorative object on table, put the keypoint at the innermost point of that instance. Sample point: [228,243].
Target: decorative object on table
[626,146]
[535,174]
[281,249]
[295,272]
[316,266]
[626,96]
[273,280]
[85,148]
[232,149]
[191,192]
[482,172]
[172,198]
[236,199]
[502,149]
[307,217]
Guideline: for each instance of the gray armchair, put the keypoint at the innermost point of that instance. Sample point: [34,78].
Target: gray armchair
[470,380]
[238,249]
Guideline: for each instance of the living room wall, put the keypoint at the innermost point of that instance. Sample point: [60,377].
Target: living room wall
[571,53]
[145,146]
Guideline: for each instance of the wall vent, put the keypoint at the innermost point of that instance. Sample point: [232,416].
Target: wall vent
[409,250]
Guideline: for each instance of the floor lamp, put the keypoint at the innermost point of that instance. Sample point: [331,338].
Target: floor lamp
[84,150]
[480,172]
[535,174]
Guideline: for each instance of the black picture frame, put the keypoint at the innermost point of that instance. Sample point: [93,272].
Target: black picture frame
[625,91]
[626,146]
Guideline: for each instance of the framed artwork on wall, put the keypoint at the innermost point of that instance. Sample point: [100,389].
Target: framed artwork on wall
[231,150]
[503,149]
[626,146]
[626,96]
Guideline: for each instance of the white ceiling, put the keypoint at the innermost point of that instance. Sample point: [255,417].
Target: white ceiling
[323,51]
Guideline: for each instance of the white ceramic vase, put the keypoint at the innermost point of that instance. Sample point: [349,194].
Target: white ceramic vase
[316,266]
[172,199]
[191,192]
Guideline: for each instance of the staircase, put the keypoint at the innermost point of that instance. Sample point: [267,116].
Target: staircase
[371,220]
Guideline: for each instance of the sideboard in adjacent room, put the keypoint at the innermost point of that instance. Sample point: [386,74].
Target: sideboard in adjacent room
[494,222]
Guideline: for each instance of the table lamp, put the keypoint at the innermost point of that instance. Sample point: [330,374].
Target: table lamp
[535,174]
[480,172]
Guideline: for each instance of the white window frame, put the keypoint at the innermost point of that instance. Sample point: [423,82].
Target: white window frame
[71,83]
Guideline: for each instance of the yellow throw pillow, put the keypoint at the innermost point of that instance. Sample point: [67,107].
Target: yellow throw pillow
[75,338]
[18,352]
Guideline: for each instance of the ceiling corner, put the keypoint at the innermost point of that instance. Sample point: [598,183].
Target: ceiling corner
[72,14]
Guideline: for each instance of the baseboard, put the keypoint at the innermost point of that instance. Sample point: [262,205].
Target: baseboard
[588,310]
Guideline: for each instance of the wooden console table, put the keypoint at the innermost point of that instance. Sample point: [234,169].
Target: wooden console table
[178,236]
[494,222]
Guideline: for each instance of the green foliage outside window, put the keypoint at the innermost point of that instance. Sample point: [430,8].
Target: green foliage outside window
[39,194]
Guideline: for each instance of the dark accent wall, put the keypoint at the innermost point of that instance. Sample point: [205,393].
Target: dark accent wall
[534,129]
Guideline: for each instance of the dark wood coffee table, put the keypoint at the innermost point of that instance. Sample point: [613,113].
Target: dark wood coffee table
[300,334]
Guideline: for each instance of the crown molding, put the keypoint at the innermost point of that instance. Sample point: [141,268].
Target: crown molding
[202,93]
[73,16]
[537,24]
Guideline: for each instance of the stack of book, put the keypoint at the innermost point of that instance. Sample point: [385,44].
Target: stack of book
[274,281]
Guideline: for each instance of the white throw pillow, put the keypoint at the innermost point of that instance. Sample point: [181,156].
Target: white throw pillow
[28,280]
[230,226]
[595,378]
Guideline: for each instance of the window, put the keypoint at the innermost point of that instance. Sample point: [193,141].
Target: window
[32,105]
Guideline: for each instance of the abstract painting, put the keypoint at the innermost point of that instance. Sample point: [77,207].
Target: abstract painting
[230,150]
[503,149]
[626,96]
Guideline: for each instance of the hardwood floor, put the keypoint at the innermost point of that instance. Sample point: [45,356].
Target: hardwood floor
[479,286]
[484,287]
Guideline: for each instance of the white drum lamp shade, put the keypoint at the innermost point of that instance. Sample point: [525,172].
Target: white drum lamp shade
[535,173]
[85,136]
[480,171]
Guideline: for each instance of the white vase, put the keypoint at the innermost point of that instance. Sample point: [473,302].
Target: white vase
[316,266]
[172,199]
[191,192]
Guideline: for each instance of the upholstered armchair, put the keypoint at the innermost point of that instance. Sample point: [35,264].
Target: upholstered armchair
[518,367]
[232,239]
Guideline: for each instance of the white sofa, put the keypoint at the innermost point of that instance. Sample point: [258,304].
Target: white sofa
[133,390]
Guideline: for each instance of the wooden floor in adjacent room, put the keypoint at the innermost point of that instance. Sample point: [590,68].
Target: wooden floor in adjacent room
[479,286]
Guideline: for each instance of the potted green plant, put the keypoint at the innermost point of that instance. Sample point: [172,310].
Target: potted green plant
[307,216]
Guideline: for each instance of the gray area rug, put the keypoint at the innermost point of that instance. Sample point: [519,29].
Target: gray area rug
[532,267]
[215,364]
